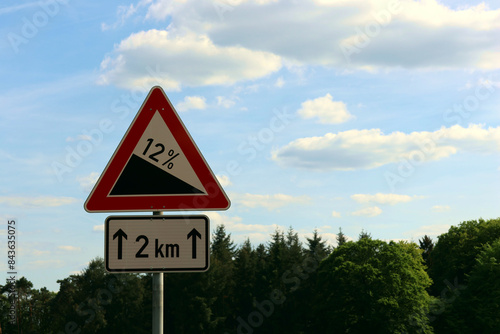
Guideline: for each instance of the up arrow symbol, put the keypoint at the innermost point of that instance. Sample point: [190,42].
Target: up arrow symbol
[120,234]
[194,233]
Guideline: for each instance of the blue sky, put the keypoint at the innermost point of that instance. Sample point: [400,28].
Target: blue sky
[374,115]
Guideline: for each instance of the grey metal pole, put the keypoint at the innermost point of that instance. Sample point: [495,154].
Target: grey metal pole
[157,298]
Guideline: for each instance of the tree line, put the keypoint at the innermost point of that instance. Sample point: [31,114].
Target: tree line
[363,286]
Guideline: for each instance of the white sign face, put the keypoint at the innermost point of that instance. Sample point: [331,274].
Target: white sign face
[158,147]
[157,243]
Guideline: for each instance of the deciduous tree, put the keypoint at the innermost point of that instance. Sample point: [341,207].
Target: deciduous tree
[371,286]
[455,252]
[476,308]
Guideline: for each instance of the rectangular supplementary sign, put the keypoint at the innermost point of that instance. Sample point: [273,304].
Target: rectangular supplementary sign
[157,243]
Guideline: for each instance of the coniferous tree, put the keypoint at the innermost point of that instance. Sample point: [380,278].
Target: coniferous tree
[364,235]
[275,259]
[341,239]
[293,248]
[222,247]
[245,273]
[23,305]
[221,282]
[426,245]
[262,272]
[363,286]
[316,246]
[42,310]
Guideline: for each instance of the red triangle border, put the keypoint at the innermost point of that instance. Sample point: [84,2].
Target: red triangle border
[99,199]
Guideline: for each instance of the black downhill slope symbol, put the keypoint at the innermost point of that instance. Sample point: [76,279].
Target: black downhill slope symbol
[140,177]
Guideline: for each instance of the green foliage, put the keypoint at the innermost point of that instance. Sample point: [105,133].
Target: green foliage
[222,247]
[364,235]
[371,286]
[368,286]
[426,245]
[98,302]
[317,248]
[477,308]
[341,239]
[33,309]
[455,253]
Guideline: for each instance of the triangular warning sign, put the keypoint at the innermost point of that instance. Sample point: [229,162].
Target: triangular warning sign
[157,167]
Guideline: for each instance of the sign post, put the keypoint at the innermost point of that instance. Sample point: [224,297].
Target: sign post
[158,303]
[157,244]
[157,298]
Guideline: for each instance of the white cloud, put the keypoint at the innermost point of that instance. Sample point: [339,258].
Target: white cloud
[79,137]
[382,198]
[430,230]
[88,182]
[368,212]
[224,180]
[324,228]
[37,252]
[270,202]
[336,214]
[42,201]
[432,13]
[441,208]
[326,110]
[98,228]
[123,13]
[70,248]
[224,102]
[489,60]
[312,32]
[260,233]
[365,149]
[13,9]
[160,9]
[191,102]
[234,224]
[161,57]
[279,82]
[219,219]
[257,233]
[488,83]
[44,264]
[331,238]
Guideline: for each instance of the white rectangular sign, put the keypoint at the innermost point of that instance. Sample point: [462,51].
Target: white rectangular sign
[157,243]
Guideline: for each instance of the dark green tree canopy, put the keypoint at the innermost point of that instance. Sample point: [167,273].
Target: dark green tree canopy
[364,235]
[476,308]
[455,253]
[426,245]
[286,286]
[371,286]
[341,238]
[316,246]
[222,247]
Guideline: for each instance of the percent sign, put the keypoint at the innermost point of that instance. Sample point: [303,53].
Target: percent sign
[161,148]
[170,164]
